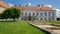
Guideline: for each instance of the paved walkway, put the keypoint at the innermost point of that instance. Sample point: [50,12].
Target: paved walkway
[50,28]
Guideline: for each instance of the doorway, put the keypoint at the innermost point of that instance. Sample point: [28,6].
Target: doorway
[29,18]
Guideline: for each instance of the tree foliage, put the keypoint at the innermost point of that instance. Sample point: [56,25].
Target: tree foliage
[58,18]
[11,13]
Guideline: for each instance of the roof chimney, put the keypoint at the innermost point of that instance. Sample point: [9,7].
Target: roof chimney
[15,5]
[42,5]
[29,4]
[38,5]
[26,4]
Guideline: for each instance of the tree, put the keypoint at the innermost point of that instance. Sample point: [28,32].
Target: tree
[58,19]
[12,13]
[0,15]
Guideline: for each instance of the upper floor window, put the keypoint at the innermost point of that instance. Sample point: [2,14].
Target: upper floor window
[45,14]
[53,14]
[41,14]
[41,18]
[49,13]
[45,18]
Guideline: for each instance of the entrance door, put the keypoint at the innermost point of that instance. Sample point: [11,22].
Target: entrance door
[29,18]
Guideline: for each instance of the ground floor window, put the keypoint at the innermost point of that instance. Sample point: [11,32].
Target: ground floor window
[52,18]
[41,18]
[22,19]
[49,19]
[45,18]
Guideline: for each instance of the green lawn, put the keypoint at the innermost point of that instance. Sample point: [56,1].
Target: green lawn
[19,27]
[54,22]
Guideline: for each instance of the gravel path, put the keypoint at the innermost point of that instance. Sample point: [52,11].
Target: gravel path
[50,28]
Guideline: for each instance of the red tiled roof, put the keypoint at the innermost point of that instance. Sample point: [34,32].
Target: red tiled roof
[2,4]
[34,7]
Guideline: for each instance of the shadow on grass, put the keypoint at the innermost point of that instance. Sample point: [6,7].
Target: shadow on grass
[40,29]
[7,21]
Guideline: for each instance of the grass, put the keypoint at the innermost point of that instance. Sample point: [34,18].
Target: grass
[54,22]
[19,27]
[48,22]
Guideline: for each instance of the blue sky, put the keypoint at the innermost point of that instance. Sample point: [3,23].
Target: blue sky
[54,3]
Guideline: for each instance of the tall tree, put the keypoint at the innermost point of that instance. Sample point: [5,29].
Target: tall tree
[12,13]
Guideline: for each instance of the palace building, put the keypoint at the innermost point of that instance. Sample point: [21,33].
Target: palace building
[37,13]
[33,12]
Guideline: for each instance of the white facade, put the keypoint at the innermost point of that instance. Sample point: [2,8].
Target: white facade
[38,15]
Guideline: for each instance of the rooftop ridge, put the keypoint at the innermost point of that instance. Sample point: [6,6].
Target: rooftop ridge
[34,7]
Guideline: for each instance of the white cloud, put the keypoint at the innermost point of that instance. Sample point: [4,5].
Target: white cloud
[57,9]
[58,12]
[10,4]
[29,4]
[49,5]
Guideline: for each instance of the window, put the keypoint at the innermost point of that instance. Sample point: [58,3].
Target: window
[37,14]
[29,14]
[49,19]
[45,18]
[49,13]
[33,14]
[45,14]
[41,18]
[52,18]
[53,14]
[22,19]
[25,14]
[41,14]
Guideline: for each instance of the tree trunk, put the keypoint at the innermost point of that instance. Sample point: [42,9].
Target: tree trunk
[13,19]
